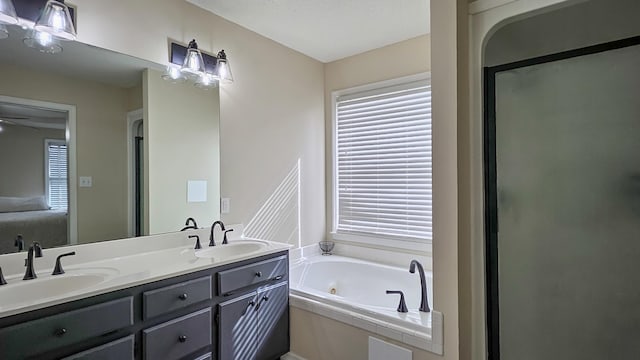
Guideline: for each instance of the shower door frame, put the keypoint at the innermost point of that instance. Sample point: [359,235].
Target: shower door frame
[490,176]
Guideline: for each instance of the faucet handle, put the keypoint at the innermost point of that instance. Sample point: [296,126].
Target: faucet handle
[198,246]
[224,240]
[37,249]
[402,307]
[58,268]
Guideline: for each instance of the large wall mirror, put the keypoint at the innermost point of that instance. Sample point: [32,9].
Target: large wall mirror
[95,146]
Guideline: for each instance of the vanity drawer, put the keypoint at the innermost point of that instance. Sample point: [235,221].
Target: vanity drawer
[170,298]
[179,337]
[252,274]
[37,336]
[121,349]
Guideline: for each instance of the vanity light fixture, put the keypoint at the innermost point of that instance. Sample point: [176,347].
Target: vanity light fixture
[193,64]
[223,70]
[204,69]
[8,13]
[55,20]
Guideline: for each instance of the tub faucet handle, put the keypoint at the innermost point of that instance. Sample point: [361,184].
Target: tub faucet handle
[402,307]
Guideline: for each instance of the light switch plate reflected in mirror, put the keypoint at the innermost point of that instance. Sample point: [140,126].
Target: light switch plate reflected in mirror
[196,191]
[86,181]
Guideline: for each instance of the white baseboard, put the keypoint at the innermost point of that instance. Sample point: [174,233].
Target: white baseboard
[291,356]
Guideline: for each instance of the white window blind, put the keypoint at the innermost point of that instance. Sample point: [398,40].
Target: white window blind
[56,171]
[383,162]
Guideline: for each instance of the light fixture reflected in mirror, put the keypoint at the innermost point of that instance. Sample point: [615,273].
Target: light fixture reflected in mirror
[4,33]
[8,12]
[173,74]
[43,42]
[55,19]
[206,81]
[223,70]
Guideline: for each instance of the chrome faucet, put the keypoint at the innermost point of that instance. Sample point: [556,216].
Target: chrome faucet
[34,250]
[190,224]
[211,240]
[424,302]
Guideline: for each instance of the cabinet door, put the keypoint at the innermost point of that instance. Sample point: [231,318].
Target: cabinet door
[120,349]
[237,328]
[272,309]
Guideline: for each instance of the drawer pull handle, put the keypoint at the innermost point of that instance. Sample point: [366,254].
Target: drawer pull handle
[249,304]
[265,298]
[183,297]
[182,338]
[259,274]
[60,332]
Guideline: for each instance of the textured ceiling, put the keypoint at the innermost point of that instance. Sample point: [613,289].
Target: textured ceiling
[327,30]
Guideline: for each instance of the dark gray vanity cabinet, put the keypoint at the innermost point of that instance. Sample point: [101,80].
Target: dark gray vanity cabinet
[255,325]
[198,316]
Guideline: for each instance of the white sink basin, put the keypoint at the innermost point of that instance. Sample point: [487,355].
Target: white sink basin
[19,291]
[232,249]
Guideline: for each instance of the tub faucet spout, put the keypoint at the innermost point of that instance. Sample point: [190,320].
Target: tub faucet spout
[424,302]
[211,240]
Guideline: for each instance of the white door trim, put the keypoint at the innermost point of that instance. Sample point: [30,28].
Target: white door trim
[132,118]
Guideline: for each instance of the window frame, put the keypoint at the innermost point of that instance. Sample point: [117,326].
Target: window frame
[47,142]
[417,245]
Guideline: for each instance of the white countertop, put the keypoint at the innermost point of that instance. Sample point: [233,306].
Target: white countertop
[119,264]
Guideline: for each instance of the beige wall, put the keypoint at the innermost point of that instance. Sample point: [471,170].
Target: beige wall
[405,58]
[270,117]
[181,132]
[315,337]
[101,143]
[22,160]
[449,59]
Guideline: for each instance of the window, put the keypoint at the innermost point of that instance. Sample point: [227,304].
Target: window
[382,163]
[56,173]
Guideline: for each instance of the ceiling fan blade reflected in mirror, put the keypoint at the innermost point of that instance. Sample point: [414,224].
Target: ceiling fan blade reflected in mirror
[9,117]
[4,121]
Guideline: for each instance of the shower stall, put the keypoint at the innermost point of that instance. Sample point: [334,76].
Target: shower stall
[562,188]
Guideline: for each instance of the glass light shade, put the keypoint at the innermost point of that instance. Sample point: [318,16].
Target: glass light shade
[4,33]
[193,63]
[223,70]
[206,81]
[173,74]
[8,12]
[55,19]
[43,42]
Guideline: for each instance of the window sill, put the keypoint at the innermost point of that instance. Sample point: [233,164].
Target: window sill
[387,244]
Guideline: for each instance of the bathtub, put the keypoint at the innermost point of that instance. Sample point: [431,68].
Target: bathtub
[354,291]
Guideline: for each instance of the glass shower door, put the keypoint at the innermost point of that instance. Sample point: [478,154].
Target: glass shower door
[563,153]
